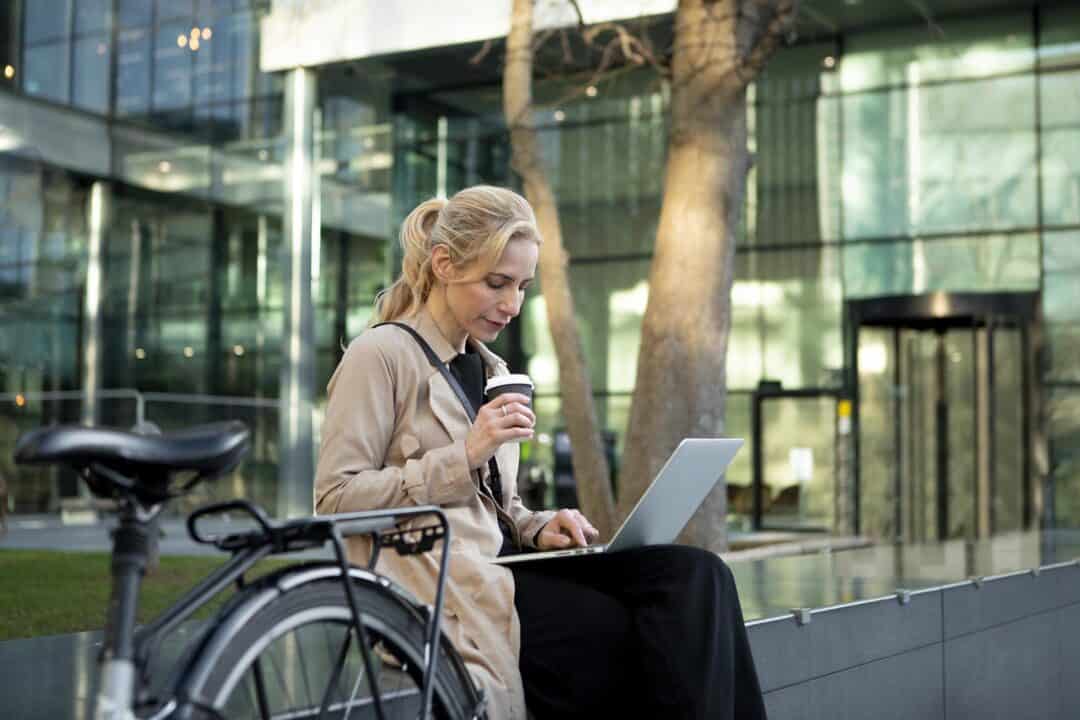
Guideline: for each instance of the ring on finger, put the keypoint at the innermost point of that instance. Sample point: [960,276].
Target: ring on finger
[504,410]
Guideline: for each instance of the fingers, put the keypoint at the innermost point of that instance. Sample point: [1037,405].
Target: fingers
[569,524]
[554,539]
[513,405]
[587,527]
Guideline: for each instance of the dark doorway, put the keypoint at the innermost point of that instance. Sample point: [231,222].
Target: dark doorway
[942,386]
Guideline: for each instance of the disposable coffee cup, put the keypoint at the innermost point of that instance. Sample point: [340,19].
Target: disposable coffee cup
[501,384]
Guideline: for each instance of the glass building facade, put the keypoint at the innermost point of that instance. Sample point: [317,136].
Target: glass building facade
[904,354]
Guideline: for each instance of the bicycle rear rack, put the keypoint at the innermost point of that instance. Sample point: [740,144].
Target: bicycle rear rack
[308,533]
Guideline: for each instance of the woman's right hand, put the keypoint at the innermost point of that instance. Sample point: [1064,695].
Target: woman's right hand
[508,417]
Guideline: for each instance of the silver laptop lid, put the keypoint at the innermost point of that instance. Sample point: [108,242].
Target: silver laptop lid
[676,492]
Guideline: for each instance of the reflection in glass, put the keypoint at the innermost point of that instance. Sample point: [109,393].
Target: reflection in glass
[965,158]
[91,64]
[44,21]
[134,13]
[172,68]
[798,455]
[965,48]
[1008,431]
[979,264]
[1063,411]
[92,15]
[133,68]
[46,71]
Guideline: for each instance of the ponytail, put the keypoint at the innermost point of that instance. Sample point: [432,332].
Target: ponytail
[410,291]
[475,225]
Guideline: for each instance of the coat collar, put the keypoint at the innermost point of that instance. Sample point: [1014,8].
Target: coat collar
[425,324]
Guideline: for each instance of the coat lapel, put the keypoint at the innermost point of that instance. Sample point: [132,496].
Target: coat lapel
[446,407]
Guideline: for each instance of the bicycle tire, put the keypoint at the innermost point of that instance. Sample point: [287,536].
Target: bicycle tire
[234,655]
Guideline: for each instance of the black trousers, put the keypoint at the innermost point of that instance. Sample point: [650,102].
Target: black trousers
[652,632]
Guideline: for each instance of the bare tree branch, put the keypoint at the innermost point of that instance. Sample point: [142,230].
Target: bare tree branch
[749,66]
[577,10]
[482,52]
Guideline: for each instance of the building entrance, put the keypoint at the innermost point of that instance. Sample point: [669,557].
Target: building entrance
[943,402]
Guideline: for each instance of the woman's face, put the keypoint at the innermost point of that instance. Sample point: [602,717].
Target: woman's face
[482,307]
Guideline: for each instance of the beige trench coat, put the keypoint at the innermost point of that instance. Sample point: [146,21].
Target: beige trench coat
[394,435]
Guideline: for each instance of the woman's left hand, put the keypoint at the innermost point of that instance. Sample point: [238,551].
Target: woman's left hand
[569,528]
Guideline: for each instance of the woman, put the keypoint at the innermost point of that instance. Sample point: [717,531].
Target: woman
[652,632]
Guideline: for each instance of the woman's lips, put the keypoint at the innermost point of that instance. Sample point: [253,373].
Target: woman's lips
[495,325]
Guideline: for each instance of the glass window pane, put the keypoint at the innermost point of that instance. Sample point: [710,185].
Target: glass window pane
[940,159]
[169,9]
[1061,265]
[1063,410]
[134,13]
[1060,124]
[46,20]
[798,453]
[91,87]
[745,356]
[947,50]
[133,72]
[46,72]
[800,299]
[172,67]
[609,299]
[92,15]
[976,264]
[740,474]
[1059,41]
[793,131]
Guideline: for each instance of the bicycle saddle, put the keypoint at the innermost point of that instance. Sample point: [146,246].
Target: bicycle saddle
[208,450]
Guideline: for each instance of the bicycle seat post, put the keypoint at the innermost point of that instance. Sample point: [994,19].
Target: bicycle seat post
[131,550]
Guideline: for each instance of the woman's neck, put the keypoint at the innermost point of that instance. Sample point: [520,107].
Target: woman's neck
[444,319]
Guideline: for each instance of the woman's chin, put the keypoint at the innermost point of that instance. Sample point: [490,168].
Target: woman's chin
[485,331]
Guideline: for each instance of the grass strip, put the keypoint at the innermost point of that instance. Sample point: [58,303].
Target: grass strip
[46,592]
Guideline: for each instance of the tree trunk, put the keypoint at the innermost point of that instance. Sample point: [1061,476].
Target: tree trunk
[590,465]
[681,381]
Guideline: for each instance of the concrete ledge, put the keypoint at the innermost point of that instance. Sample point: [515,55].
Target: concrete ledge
[988,647]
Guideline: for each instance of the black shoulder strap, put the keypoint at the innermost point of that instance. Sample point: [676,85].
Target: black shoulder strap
[493,467]
[438,365]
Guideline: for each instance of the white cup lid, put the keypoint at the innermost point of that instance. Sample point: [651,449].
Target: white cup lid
[512,379]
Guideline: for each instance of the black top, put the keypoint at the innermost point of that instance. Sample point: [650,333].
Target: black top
[468,368]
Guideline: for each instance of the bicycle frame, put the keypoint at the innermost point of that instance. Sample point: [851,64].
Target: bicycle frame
[126,654]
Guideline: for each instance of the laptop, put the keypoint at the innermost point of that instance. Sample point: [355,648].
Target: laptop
[667,505]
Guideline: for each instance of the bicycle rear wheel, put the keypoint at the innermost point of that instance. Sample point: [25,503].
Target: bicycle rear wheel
[298,655]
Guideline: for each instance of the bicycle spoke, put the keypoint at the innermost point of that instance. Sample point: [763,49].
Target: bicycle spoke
[260,690]
[335,674]
[283,683]
[302,669]
[352,697]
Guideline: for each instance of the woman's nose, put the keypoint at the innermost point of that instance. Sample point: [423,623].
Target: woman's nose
[510,303]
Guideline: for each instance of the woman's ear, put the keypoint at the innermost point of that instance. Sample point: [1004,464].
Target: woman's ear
[442,265]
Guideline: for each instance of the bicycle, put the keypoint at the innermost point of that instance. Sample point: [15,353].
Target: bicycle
[282,645]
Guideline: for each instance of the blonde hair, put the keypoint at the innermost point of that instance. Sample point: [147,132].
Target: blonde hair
[475,225]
